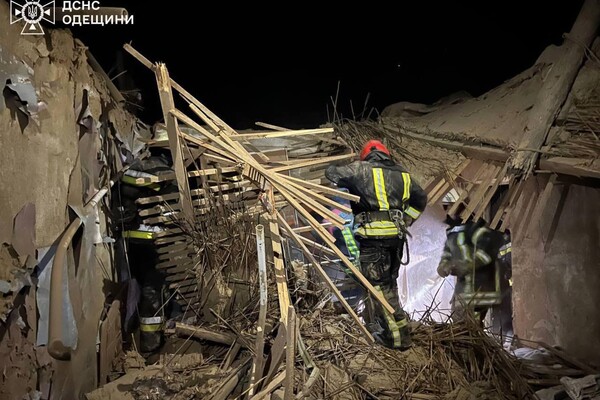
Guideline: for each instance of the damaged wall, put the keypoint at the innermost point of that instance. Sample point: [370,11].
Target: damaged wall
[55,153]
[555,270]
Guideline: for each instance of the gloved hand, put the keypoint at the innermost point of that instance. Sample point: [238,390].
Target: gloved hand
[444,269]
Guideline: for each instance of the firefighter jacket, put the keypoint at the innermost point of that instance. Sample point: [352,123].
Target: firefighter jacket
[384,189]
[469,245]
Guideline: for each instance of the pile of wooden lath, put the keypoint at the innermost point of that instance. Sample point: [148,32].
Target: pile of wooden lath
[224,162]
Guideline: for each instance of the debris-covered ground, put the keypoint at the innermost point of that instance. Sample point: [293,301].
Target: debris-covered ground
[447,361]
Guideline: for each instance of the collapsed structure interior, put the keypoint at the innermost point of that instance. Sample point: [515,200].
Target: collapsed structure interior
[187,259]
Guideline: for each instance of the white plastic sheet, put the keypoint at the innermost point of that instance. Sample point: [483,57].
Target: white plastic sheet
[419,285]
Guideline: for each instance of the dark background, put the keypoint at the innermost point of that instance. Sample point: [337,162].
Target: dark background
[256,62]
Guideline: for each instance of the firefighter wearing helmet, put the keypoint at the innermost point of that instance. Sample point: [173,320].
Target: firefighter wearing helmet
[390,201]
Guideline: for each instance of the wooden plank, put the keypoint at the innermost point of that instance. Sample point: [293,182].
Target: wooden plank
[490,193]
[274,384]
[440,192]
[185,330]
[438,186]
[309,163]
[159,198]
[172,239]
[185,285]
[173,249]
[174,263]
[283,295]
[290,354]
[324,189]
[218,160]
[168,232]
[317,267]
[182,253]
[322,199]
[277,353]
[442,188]
[512,186]
[278,134]
[193,155]
[476,197]
[304,229]
[270,126]
[316,246]
[166,99]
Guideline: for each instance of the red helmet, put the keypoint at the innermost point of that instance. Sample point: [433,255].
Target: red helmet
[373,145]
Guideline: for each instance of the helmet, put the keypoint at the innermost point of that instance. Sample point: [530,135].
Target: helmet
[373,145]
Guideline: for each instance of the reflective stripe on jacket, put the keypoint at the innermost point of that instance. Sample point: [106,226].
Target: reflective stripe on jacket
[382,185]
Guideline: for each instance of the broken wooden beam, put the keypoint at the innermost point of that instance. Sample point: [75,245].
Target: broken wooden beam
[166,99]
[290,353]
[557,85]
[186,330]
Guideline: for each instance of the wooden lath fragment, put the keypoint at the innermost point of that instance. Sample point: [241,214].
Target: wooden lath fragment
[279,134]
[465,193]
[504,203]
[491,191]
[476,197]
[447,181]
[166,99]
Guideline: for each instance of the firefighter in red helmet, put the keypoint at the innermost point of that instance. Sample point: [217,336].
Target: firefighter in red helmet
[390,201]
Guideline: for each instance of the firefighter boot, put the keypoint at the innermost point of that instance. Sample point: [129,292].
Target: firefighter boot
[405,339]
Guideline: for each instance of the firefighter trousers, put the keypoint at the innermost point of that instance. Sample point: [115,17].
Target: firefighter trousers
[380,264]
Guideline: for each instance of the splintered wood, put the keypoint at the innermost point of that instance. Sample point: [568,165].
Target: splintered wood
[227,164]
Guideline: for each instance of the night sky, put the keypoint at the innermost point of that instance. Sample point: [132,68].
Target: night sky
[254,63]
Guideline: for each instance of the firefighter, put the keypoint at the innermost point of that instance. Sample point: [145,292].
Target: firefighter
[471,253]
[390,201]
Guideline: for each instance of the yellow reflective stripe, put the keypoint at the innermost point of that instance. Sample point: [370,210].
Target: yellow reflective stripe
[460,240]
[504,250]
[151,327]
[350,242]
[406,180]
[139,235]
[379,183]
[412,212]
[483,256]
[378,228]
[478,233]
[391,322]
[130,180]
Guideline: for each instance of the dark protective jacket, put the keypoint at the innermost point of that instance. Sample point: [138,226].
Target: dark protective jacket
[474,254]
[470,245]
[382,186]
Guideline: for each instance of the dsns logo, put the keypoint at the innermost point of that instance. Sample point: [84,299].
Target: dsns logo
[31,12]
